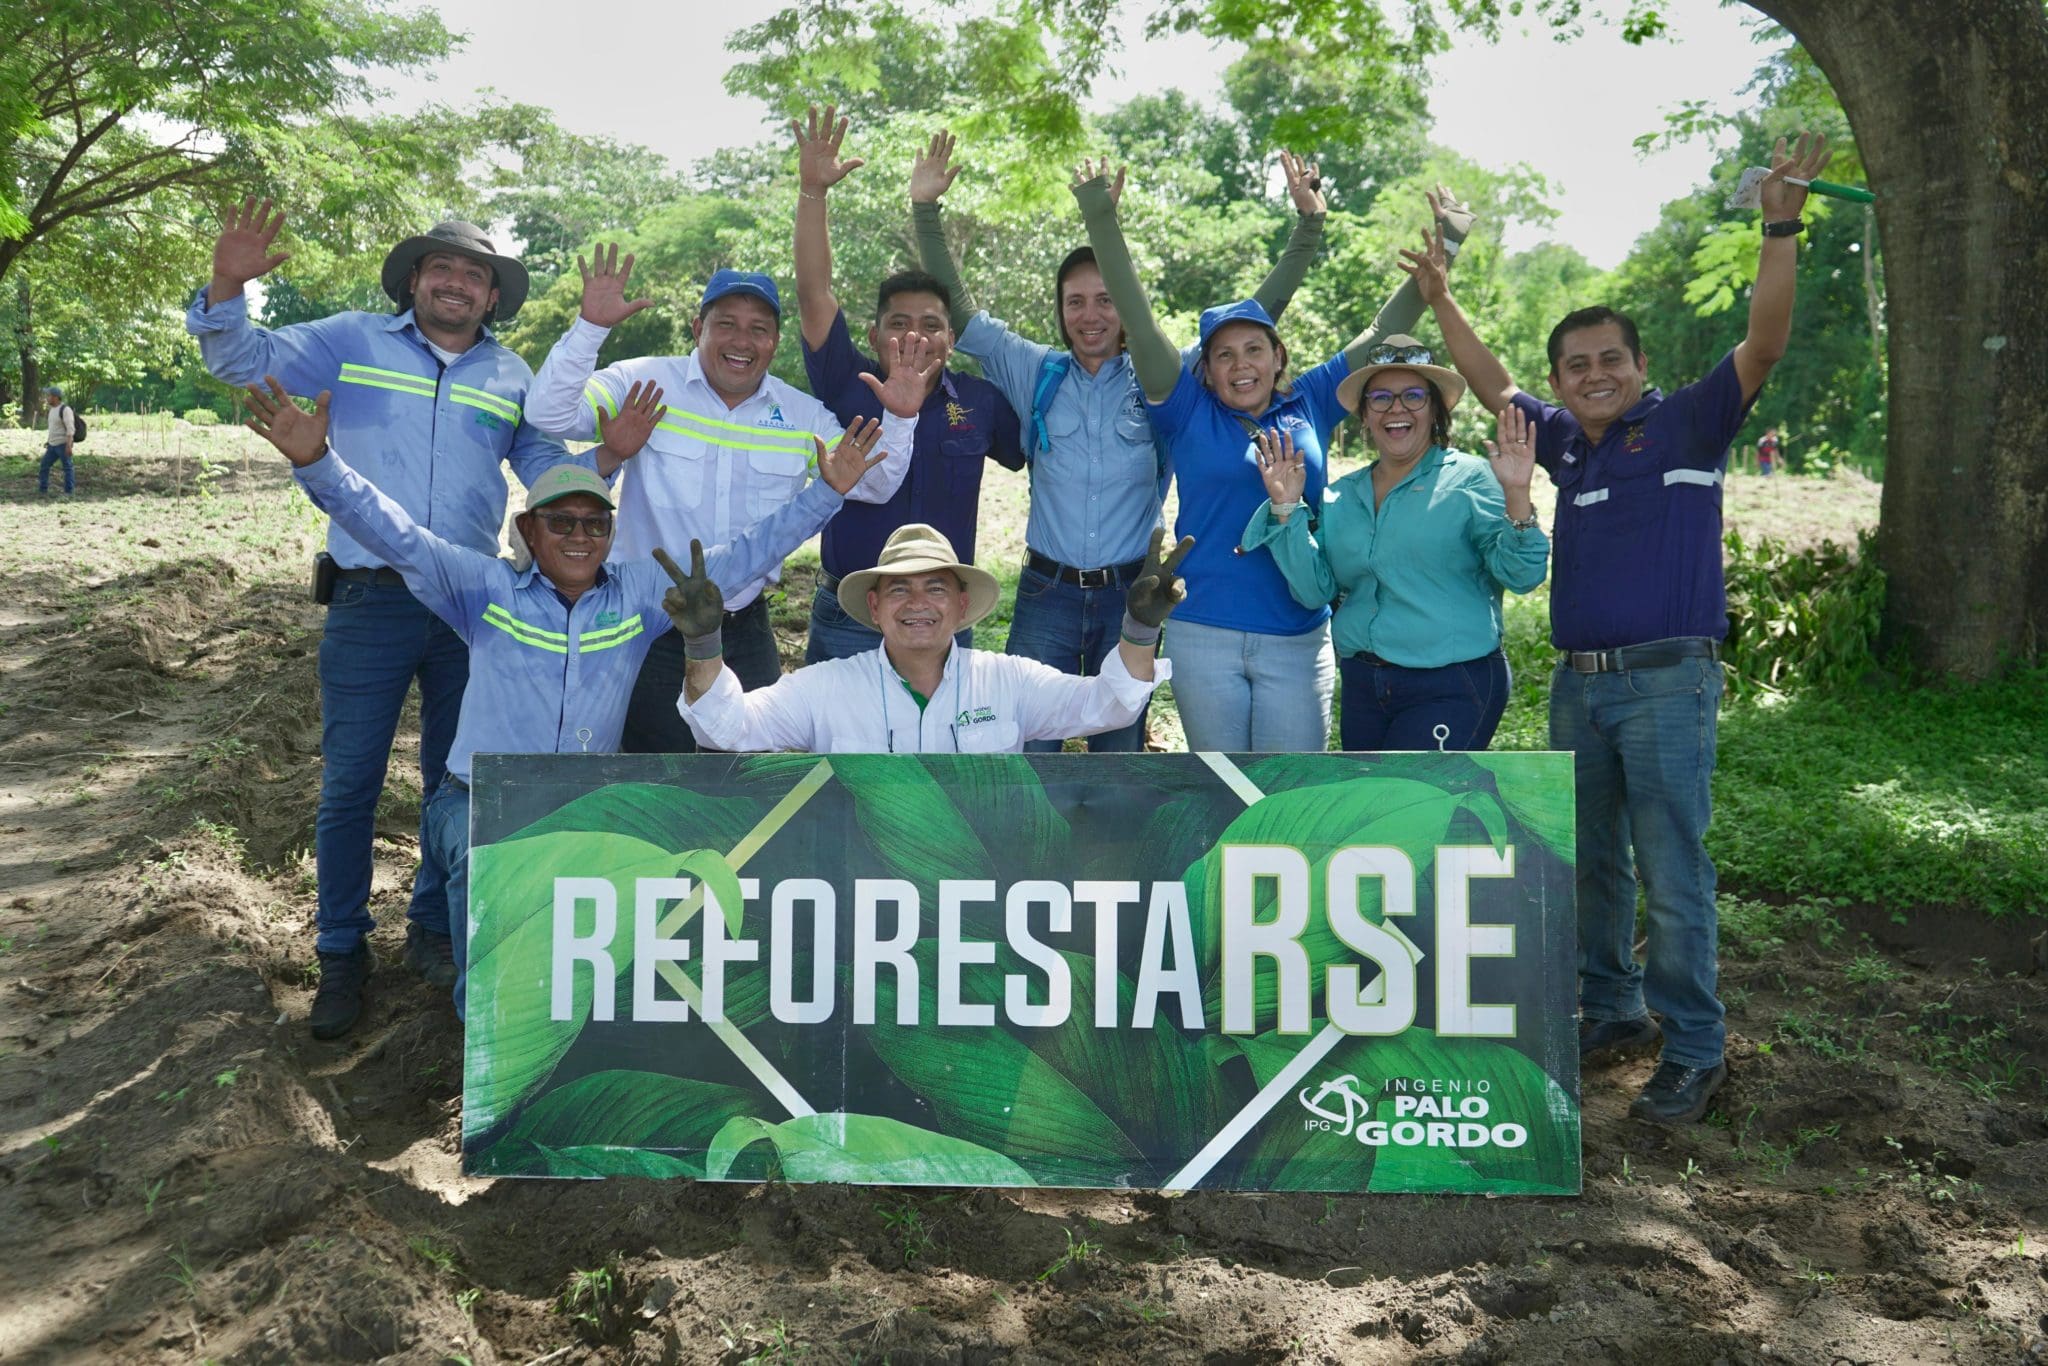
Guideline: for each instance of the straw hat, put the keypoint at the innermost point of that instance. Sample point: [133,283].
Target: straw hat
[1401,353]
[918,549]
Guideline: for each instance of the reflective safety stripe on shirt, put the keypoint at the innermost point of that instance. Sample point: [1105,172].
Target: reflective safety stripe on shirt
[610,636]
[370,375]
[555,642]
[1704,478]
[709,430]
[490,403]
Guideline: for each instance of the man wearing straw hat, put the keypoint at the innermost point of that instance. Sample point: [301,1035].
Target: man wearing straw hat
[919,692]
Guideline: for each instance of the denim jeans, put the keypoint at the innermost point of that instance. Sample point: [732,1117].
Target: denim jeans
[835,635]
[445,846]
[1643,747]
[1246,692]
[51,455]
[654,725]
[1387,706]
[1073,629]
[379,638]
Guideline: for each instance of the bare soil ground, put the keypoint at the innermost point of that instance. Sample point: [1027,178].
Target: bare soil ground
[186,1175]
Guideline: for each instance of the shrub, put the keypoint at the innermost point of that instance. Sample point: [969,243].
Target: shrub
[202,417]
[1800,619]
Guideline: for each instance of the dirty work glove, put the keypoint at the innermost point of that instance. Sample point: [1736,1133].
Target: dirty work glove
[695,605]
[1156,591]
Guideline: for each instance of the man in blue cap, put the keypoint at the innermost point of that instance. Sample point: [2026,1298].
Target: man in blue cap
[63,433]
[735,445]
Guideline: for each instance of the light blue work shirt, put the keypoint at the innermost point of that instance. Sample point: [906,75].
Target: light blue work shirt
[1422,573]
[430,436]
[545,675]
[1096,494]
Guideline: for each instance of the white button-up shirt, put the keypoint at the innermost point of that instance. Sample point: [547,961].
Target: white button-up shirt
[708,471]
[986,703]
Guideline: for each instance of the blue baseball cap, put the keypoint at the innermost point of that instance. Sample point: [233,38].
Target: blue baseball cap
[726,282]
[1243,311]
[53,389]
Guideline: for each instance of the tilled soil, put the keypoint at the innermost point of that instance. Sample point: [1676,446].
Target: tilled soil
[186,1175]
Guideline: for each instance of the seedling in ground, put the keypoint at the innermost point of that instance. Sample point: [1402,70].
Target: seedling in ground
[149,1195]
[905,1222]
[432,1253]
[593,1300]
[1077,1253]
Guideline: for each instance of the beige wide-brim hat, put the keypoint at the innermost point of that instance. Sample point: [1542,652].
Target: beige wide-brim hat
[1449,383]
[918,549]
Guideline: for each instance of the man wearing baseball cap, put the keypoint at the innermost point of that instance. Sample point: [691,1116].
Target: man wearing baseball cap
[736,445]
[57,447]
[429,405]
[554,647]
[920,691]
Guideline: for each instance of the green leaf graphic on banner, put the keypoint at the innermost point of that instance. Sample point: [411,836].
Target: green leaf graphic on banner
[586,1162]
[844,1147]
[1003,801]
[911,822]
[633,1110]
[671,817]
[1543,807]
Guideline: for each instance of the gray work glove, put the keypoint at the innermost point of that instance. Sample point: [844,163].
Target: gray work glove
[1156,591]
[695,604]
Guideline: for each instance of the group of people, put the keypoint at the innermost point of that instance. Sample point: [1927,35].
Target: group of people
[597,639]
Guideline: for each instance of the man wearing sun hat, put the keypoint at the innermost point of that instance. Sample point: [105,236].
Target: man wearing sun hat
[555,646]
[429,405]
[919,691]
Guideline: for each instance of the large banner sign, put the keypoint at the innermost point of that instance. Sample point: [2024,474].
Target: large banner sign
[1313,972]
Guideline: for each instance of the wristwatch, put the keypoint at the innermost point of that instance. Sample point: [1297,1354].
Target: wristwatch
[1785,227]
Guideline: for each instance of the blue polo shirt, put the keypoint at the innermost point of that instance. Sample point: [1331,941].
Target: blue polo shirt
[1636,549]
[964,423]
[1220,488]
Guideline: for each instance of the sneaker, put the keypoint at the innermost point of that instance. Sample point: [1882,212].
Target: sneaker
[1608,1041]
[430,956]
[1678,1093]
[339,1001]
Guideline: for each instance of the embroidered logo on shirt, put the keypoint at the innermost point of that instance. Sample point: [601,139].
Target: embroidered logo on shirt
[776,419]
[606,619]
[975,716]
[491,420]
[1634,441]
[958,417]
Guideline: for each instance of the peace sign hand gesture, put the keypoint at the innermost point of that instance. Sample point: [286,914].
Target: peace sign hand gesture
[1281,466]
[819,167]
[1158,590]
[843,466]
[604,287]
[695,604]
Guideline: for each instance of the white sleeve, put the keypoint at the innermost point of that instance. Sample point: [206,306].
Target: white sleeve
[774,718]
[1052,705]
[565,396]
[879,484]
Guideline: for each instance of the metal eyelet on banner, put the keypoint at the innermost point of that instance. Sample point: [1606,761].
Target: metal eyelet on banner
[583,734]
[1442,733]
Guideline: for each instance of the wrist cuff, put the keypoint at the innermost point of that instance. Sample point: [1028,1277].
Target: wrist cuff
[1137,632]
[704,647]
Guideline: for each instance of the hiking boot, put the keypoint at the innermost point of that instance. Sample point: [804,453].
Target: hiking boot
[339,1000]
[1608,1041]
[430,956]
[1678,1093]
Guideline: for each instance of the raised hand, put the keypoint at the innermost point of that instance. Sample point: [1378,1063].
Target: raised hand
[604,287]
[930,175]
[1514,457]
[1448,211]
[242,251]
[1304,184]
[843,465]
[1090,169]
[913,362]
[1158,590]
[626,431]
[1781,198]
[818,167]
[1281,466]
[274,417]
[1428,267]
[695,604]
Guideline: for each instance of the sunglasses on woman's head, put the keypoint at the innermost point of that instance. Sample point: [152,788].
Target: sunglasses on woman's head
[1382,400]
[1384,354]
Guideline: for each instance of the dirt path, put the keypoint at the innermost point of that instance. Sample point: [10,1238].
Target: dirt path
[185,1175]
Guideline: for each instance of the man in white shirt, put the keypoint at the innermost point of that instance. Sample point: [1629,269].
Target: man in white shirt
[734,446]
[63,434]
[919,692]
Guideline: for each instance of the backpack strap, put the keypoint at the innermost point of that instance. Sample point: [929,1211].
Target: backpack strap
[1049,377]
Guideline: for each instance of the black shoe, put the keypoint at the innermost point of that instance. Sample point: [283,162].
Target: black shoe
[1678,1093]
[339,1001]
[1606,1041]
[431,956]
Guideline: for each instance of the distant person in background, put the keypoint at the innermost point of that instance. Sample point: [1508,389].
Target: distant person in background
[1767,448]
[63,432]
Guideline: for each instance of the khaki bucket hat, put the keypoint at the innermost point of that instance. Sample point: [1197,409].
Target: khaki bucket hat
[916,548]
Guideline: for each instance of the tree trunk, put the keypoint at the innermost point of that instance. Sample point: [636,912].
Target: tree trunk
[1951,115]
[25,342]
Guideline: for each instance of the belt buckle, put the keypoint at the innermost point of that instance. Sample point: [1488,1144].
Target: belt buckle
[1093,578]
[1587,661]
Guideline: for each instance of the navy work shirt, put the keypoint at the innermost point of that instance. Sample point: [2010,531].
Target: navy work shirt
[962,424]
[1636,550]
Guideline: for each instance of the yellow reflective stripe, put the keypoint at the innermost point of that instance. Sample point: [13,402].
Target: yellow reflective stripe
[631,623]
[490,403]
[552,641]
[807,450]
[594,641]
[598,399]
[413,388]
[348,367]
[711,426]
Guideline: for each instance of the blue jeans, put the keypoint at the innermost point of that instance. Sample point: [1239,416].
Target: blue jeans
[1642,742]
[379,638]
[444,826]
[51,455]
[654,724]
[1073,629]
[1245,692]
[835,635]
[1387,706]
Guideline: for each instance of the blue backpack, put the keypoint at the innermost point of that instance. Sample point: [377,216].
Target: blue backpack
[1050,376]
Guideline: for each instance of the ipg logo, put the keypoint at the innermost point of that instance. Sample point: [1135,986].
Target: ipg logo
[1419,1120]
[1351,1107]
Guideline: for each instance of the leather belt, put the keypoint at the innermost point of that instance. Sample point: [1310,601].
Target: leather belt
[383,578]
[1655,654]
[1109,576]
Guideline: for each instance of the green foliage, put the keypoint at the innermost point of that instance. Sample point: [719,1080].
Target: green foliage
[201,417]
[1799,619]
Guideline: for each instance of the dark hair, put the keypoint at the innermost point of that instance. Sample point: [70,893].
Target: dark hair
[1599,315]
[1075,259]
[911,282]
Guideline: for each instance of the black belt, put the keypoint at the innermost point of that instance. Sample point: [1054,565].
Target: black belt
[1110,576]
[383,578]
[757,605]
[1656,654]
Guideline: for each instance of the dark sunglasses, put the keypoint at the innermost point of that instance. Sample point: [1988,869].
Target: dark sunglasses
[1382,400]
[597,526]
[1384,354]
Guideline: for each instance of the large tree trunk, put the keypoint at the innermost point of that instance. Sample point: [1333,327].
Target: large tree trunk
[25,340]
[1950,110]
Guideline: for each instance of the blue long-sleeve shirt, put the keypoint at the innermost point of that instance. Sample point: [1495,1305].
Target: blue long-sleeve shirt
[1422,573]
[431,437]
[545,675]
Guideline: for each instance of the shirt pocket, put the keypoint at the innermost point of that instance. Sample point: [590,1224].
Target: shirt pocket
[989,737]
[773,478]
[672,479]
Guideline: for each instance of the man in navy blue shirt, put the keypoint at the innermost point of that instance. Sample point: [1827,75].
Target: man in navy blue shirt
[964,421]
[1638,609]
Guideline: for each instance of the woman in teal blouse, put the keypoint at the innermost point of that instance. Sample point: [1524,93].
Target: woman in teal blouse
[1420,544]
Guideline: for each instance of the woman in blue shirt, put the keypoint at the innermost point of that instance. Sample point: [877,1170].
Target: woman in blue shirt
[1420,544]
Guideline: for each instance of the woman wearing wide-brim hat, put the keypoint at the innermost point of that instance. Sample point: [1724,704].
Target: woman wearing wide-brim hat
[1420,544]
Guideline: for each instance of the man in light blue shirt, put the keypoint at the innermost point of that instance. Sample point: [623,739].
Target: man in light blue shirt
[430,405]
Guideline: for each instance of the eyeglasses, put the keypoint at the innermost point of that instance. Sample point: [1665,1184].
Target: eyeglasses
[1382,400]
[596,526]
[1384,354]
